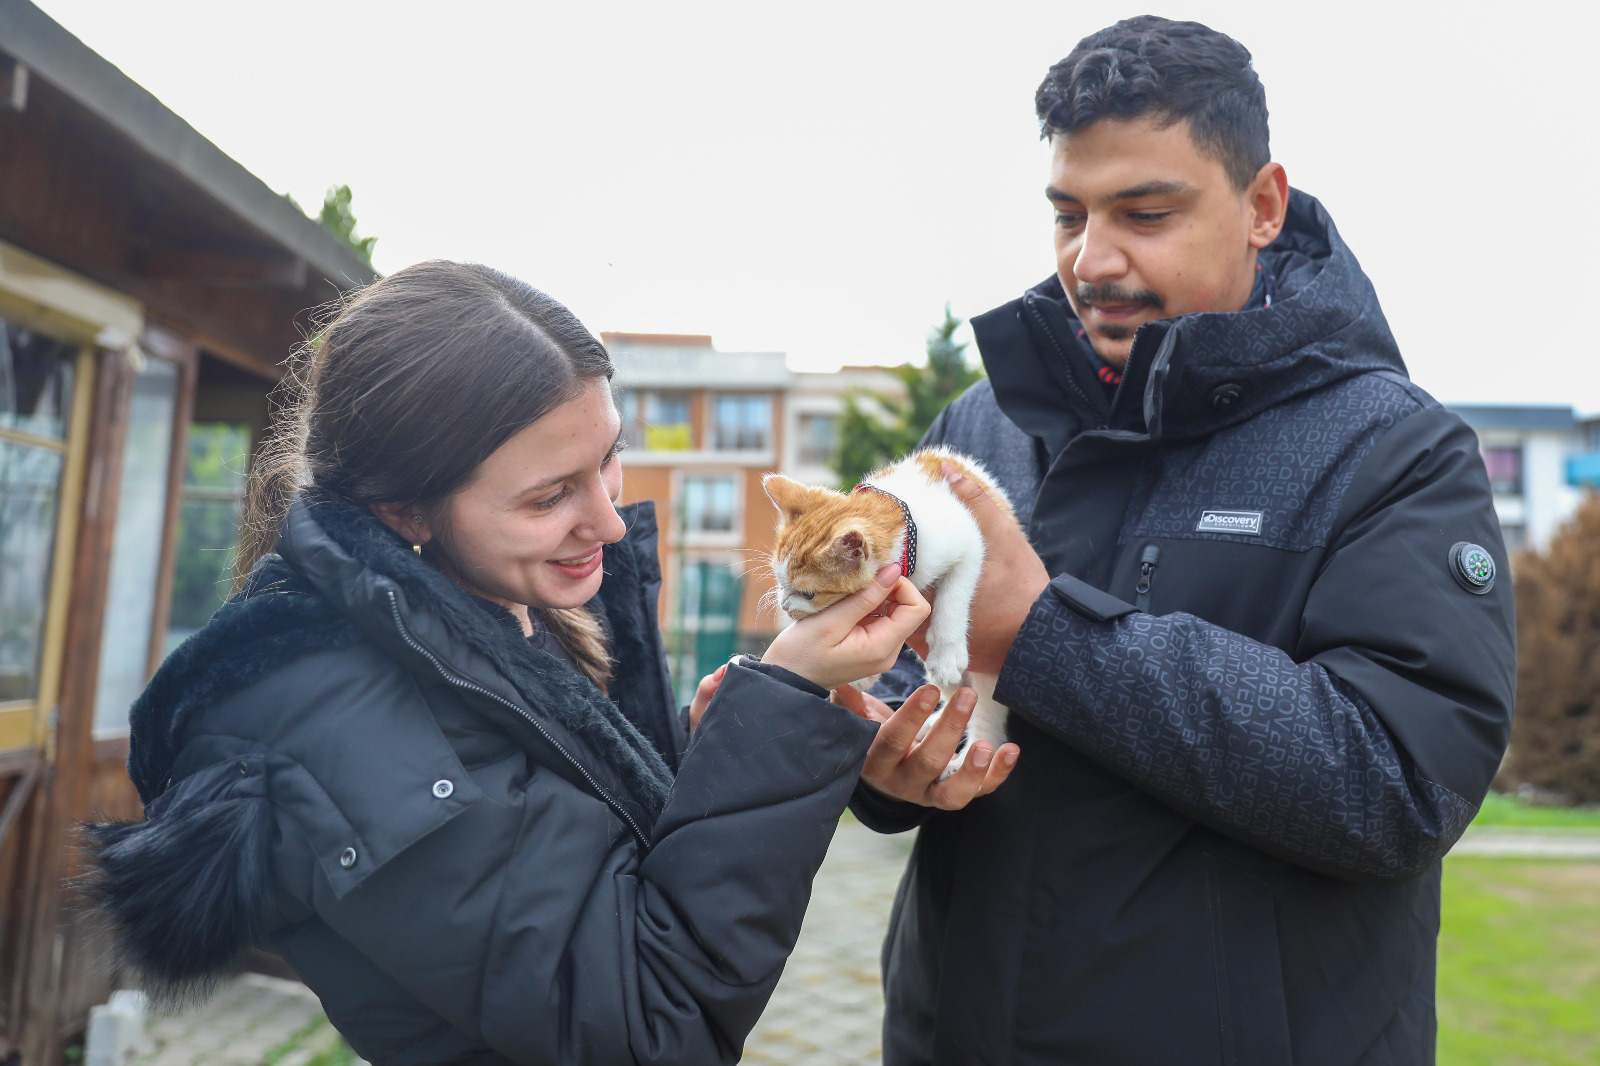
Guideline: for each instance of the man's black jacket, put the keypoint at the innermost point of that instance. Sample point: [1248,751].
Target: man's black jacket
[1247,738]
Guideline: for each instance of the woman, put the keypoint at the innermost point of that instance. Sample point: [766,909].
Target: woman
[427,752]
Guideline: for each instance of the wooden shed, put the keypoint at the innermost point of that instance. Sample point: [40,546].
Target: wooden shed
[150,287]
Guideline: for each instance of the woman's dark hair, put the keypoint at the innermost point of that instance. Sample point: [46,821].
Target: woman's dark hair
[1173,72]
[405,388]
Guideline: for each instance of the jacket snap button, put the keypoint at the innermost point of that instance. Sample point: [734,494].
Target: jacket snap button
[244,769]
[347,858]
[1225,395]
[442,789]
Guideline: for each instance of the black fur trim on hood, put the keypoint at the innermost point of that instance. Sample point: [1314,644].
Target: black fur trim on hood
[275,620]
[190,889]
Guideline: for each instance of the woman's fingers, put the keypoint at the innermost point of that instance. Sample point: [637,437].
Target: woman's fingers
[900,613]
[702,695]
[849,612]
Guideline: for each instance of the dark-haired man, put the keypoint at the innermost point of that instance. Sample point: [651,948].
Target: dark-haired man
[1258,658]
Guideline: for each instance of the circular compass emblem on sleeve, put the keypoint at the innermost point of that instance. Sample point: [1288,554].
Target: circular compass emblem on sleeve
[1473,567]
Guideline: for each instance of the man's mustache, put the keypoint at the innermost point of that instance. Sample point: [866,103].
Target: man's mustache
[1114,295]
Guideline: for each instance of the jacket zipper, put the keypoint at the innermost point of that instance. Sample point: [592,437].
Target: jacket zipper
[1061,352]
[461,682]
[1149,558]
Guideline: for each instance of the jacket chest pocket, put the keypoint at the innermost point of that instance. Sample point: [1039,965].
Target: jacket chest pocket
[1250,589]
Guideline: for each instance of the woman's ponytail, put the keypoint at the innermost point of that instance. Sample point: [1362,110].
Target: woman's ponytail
[580,633]
[278,469]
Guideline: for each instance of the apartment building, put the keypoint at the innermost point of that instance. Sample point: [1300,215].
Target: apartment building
[814,406]
[704,427]
[1529,451]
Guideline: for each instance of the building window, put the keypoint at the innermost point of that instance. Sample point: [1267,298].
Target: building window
[707,623]
[741,423]
[709,504]
[125,645]
[1514,535]
[1505,470]
[819,439]
[656,421]
[208,524]
[36,382]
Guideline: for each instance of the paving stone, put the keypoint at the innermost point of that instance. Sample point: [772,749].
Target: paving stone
[828,1008]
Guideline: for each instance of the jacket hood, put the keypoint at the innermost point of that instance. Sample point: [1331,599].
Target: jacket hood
[1193,375]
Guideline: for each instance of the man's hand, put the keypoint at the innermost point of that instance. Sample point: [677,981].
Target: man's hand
[904,768]
[1013,578]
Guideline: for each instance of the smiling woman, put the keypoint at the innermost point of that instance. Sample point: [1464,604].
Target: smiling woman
[428,751]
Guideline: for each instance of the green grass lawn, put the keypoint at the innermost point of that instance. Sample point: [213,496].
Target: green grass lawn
[1519,963]
[1501,810]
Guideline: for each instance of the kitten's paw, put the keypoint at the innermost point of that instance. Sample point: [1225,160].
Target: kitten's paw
[866,683]
[946,673]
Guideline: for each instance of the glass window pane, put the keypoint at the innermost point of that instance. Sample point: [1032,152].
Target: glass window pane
[818,439]
[1505,470]
[667,426]
[740,423]
[208,524]
[35,382]
[708,504]
[30,493]
[136,546]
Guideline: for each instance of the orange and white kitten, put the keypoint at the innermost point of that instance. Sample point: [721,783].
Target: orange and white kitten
[831,544]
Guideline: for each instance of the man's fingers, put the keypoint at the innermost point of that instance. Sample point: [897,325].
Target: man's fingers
[981,772]
[966,784]
[902,727]
[972,493]
[934,752]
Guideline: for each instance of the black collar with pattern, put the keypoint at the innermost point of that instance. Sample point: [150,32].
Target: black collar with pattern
[908,558]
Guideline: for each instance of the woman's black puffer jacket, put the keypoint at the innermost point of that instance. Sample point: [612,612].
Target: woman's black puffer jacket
[466,849]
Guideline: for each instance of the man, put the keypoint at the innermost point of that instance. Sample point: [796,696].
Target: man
[1261,666]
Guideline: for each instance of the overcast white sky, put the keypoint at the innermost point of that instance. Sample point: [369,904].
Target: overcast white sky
[821,178]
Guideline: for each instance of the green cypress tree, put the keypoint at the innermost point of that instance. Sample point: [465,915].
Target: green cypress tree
[338,219]
[875,430]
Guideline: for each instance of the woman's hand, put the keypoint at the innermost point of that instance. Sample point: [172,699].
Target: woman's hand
[904,768]
[702,695]
[857,637]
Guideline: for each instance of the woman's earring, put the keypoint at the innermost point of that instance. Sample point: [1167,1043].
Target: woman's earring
[418,520]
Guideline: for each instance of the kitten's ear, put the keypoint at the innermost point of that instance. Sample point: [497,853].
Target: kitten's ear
[791,498]
[849,549]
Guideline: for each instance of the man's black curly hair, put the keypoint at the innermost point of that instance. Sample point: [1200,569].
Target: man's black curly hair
[1170,71]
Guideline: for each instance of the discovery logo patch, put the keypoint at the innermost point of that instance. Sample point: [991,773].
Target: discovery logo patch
[1245,523]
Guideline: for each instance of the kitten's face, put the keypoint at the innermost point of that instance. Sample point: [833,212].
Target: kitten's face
[829,544]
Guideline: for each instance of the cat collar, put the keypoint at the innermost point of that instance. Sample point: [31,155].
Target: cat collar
[908,559]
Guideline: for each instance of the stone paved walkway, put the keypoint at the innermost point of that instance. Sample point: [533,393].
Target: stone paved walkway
[246,1022]
[828,1010]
